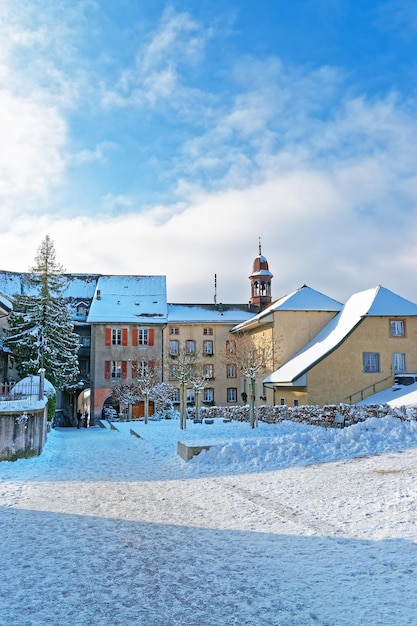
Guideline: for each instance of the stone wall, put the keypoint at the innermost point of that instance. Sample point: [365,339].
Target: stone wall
[319,415]
[22,433]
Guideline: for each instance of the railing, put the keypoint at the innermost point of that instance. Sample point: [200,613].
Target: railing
[24,390]
[373,387]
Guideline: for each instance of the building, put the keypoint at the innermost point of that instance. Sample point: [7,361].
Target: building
[327,351]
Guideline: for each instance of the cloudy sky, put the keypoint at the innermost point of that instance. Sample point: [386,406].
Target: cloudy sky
[159,137]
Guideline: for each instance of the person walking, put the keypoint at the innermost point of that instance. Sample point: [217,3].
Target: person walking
[79,416]
[86,419]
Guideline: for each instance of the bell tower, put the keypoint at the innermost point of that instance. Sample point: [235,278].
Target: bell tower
[260,281]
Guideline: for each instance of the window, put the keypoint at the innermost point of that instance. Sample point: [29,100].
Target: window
[207,331]
[282,401]
[173,348]
[116,337]
[295,401]
[116,369]
[397,328]
[143,337]
[398,362]
[173,372]
[371,362]
[208,347]
[231,346]
[208,371]
[190,346]
[85,342]
[81,309]
[232,394]
[176,394]
[231,371]
[190,395]
[174,330]
[208,395]
[141,369]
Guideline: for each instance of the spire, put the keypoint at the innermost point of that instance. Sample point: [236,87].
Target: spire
[260,282]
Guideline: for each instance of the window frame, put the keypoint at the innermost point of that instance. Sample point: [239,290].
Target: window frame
[208,343]
[208,331]
[174,343]
[397,323]
[231,391]
[402,356]
[370,367]
[209,375]
[208,394]
[231,370]
[190,343]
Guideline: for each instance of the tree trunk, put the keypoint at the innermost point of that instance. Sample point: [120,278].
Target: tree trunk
[183,406]
[252,397]
[146,406]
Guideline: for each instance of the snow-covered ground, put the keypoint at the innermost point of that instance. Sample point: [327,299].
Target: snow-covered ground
[287,525]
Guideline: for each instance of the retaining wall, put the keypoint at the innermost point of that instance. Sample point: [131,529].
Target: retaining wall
[22,433]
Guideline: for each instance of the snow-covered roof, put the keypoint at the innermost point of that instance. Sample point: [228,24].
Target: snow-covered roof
[375,302]
[210,313]
[134,299]
[80,286]
[10,282]
[5,303]
[302,299]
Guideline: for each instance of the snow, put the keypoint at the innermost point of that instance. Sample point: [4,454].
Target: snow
[210,313]
[377,301]
[396,396]
[287,524]
[129,299]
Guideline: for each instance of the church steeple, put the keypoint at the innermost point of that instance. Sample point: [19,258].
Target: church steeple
[260,281]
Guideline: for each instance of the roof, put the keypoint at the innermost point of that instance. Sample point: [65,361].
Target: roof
[302,299]
[375,302]
[210,313]
[131,299]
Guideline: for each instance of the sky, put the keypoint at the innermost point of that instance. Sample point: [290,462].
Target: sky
[292,524]
[169,138]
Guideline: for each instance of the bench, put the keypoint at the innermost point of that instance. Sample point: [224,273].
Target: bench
[187,452]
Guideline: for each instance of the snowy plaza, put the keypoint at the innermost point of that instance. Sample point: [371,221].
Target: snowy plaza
[284,525]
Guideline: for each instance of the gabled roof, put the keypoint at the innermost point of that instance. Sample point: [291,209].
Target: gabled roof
[209,313]
[302,299]
[132,299]
[375,302]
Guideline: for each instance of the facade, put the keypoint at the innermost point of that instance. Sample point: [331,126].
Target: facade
[356,354]
[325,352]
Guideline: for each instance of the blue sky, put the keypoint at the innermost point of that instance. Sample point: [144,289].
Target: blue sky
[161,137]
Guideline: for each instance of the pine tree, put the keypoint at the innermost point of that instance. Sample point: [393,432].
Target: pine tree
[41,332]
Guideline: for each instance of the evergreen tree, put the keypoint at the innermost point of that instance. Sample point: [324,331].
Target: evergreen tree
[41,332]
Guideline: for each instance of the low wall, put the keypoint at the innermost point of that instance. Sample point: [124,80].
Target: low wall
[22,433]
[307,414]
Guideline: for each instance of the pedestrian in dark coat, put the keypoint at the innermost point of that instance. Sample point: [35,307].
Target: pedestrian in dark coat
[79,417]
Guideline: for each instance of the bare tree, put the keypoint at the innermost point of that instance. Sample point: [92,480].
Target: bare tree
[198,382]
[163,395]
[253,355]
[127,394]
[148,376]
[184,367]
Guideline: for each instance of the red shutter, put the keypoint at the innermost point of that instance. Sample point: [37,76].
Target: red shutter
[150,336]
[134,369]
[124,336]
[108,336]
[124,369]
[134,336]
[107,369]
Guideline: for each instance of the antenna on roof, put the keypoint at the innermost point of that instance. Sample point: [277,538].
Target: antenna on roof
[215,288]
[260,249]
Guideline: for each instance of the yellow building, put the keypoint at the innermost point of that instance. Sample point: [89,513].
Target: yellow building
[356,353]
